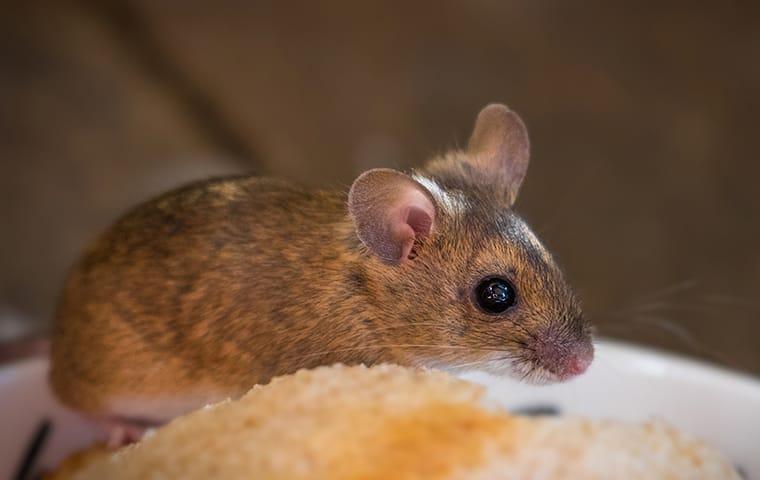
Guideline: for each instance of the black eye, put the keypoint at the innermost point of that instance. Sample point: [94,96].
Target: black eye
[494,295]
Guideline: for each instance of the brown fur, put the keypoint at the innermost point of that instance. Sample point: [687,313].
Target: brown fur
[226,283]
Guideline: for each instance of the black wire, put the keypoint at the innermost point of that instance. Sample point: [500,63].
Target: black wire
[33,450]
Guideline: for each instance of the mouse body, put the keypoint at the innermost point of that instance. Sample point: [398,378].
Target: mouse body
[197,295]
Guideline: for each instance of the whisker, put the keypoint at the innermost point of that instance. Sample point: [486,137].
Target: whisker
[504,340]
[654,297]
[664,307]
[527,373]
[479,362]
[400,345]
[410,325]
[678,331]
[705,307]
[669,290]
[732,301]
[523,329]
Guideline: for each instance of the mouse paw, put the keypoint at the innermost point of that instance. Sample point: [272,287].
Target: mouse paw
[119,432]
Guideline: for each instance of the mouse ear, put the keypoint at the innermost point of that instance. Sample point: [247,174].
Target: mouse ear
[390,210]
[499,147]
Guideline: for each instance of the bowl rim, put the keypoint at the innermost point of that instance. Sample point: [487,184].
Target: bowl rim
[683,362]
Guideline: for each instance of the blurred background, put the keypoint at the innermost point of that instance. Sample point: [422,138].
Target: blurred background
[643,118]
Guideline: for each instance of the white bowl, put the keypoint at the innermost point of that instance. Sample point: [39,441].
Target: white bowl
[625,383]
[632,383]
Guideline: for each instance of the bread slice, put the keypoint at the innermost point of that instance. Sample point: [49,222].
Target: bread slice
[389,422]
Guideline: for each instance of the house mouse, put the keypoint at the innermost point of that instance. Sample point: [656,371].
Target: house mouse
[199,294]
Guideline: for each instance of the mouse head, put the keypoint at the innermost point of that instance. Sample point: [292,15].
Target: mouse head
[457,278]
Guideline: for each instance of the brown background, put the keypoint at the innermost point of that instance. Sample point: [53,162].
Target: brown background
[642,116]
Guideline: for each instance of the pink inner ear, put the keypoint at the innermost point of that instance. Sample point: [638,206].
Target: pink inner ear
[405,238]
[390,211]
[415,220]
[415,223]
[420,220]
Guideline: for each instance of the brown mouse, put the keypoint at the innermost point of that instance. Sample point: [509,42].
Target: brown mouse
[201,293]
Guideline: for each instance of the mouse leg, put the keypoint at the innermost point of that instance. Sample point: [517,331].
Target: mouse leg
[123,431]
[125,420]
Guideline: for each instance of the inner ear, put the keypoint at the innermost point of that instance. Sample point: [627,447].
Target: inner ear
[499,149]
[390,211]
[420,220]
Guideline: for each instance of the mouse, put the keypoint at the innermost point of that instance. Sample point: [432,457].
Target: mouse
[200,293]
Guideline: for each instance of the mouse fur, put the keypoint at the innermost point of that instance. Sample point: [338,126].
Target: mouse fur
[204,291]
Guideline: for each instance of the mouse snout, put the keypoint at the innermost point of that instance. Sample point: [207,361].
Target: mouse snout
[564,358]
[575,364]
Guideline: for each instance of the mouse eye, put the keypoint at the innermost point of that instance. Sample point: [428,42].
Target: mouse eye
[495,295]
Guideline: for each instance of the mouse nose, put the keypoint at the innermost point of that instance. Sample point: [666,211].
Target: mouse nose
[575,365]
[565,360]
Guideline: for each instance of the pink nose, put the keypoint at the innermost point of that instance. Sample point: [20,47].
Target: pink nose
[565,362]
[577,365]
